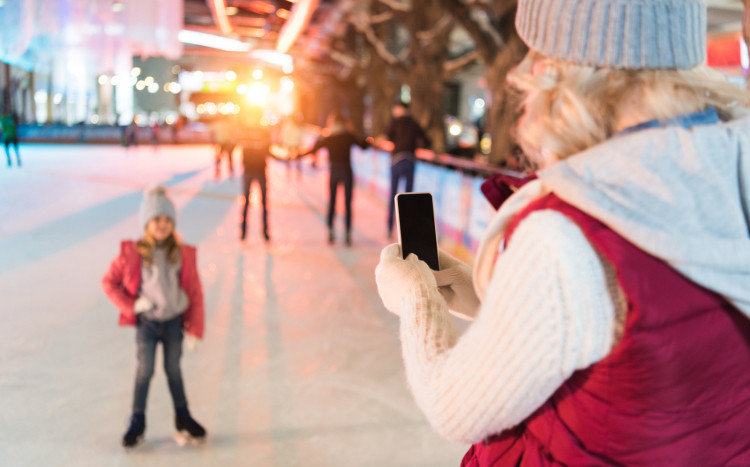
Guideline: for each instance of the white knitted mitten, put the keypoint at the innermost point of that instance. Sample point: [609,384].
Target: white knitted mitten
[399,278]
[142,304]
[456,287]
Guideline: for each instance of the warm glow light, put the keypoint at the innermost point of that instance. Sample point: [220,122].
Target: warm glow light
[257,74]
[230,75]
[174,88]
[241,89]
[136,71]
[149,80]
[140,85]
[94,119]
[115,80]
[287,85]
[286,104]
[213,41]
[258,94]
[282,13]
[200,108]
[455,129]
[102,79]
[170,119]
[153,88]
[232,10]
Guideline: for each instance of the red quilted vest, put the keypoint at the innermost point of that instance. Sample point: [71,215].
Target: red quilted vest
[674,391]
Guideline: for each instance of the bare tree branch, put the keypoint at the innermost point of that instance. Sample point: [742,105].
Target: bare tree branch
[441,27]
[362,24]
[382,17]
[396,5]
[451,67]
[486,39]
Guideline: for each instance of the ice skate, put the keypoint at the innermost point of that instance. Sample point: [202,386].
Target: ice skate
[188,431]
[134,435]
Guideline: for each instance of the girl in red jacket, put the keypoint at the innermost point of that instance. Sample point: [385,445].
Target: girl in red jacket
[154,283]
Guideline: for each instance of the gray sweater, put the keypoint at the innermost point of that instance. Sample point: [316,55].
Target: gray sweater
[160,283]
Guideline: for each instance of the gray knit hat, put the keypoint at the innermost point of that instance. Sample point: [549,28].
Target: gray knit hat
[616,33]
[156,203]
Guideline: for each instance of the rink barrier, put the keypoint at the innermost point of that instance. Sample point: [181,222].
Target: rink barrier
[461,210]
[107,134]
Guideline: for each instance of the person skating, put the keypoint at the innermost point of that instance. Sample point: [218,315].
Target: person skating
[339,142]
[405,135]
[255,139]
[154,283]
[9,129]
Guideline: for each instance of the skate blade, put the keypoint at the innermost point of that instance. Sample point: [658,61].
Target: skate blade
[138,441]
[183,438]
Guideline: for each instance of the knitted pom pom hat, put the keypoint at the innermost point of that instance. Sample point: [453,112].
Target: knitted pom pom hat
[156,203]
[632,34]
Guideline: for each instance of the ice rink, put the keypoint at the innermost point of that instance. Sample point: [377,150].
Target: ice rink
[300,364]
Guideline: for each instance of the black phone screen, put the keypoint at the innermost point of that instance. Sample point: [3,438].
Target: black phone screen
[416,227]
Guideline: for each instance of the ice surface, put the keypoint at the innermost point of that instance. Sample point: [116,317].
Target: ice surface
[300,365]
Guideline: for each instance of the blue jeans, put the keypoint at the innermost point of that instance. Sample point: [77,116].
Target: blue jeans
[148,334]
[401,169]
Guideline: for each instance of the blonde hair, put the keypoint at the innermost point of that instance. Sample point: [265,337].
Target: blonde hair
[568,108]
[147,244]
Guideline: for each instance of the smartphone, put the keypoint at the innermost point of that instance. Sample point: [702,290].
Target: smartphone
[415,217]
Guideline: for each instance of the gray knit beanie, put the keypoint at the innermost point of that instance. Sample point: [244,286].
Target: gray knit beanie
[156,203]
[616,33]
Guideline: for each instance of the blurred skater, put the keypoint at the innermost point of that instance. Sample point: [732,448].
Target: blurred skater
[9,127]
[255,140]
[339,142]
[154,282]
[290,138]
[405,135]
[225,139]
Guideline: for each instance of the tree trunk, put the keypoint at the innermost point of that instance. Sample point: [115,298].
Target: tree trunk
[383,90]
[503,111]
[426,85]
[425,76]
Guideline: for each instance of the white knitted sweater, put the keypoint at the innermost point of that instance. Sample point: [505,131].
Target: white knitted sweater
[535,327]
[550,303]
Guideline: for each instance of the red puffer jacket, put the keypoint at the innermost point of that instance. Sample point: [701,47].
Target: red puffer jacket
[675,391]
[123,279]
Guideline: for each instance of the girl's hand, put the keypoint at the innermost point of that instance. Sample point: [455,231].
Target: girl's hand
[143,304]
[397,278]
[191,342]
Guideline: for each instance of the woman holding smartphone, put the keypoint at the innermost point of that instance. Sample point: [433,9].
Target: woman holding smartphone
[609,295]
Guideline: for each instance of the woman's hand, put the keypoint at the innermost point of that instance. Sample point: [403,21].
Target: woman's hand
[456,286]
[397,278]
